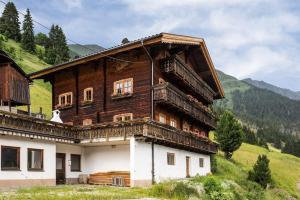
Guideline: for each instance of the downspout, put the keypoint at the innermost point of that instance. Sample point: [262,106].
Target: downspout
[152,109]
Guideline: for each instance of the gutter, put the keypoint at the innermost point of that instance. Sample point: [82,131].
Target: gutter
[152,109]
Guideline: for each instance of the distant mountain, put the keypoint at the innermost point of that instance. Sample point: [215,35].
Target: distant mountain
[260,107]
[77,50]
[284,92]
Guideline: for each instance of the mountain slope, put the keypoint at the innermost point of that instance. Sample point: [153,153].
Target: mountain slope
[282,91]
[260,107]
[77,50]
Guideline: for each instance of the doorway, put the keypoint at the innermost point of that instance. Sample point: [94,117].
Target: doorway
[187,163]
[60,168]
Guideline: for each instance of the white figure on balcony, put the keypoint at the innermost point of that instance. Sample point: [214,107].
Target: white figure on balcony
[56,116]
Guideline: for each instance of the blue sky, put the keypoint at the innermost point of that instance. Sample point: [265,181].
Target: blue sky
[259,39]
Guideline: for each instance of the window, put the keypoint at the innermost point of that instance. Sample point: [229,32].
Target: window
[173,123]
[201,162]
[87,122]
[75,163]
[123,87]
[88,94]
[171,158]
[10,158]
[65,99]
[162,118]
[123,117]
[35,159]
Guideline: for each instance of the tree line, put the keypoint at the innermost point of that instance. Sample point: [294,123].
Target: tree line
[54,45]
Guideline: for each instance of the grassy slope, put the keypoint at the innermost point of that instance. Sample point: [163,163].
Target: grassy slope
[40,92]
[285,168]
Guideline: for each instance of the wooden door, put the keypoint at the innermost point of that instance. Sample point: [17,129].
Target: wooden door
[187,163]
[60,168]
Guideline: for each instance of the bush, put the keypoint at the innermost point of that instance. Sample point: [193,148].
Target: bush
[212,185]
[174,190]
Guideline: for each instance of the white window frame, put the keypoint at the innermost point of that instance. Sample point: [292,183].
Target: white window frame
[65,95]
[87,122]
[123,87]
[85,94]
[173,122]
[201,162]
[123,116]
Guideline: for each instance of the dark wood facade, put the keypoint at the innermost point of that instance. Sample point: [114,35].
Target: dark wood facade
[184,85]
[14,83]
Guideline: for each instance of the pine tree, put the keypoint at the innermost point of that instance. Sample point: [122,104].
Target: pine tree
[229,134]
[41,39]
[28,35]
[261,172]
[9,22]
[57,50]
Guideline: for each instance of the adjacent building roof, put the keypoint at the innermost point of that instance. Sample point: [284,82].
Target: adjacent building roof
[154,39]
[4,58]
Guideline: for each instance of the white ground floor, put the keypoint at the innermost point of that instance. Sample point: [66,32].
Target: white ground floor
[143,161]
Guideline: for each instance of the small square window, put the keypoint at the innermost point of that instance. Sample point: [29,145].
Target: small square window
[171,158]
[65,99]
[75,163]
[123,117]
[123,87]
[87,122]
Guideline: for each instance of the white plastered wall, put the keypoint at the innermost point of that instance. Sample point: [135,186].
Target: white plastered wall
[24,143]
[107,158]
[141,163]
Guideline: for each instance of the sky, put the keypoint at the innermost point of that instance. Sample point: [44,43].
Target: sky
[258,39]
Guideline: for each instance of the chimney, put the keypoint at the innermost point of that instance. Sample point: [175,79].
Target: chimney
[56,117]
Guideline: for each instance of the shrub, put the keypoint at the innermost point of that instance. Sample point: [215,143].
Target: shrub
[175,190]
[212,185]
[261,172]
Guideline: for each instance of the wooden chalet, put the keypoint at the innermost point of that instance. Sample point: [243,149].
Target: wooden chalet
[132,115]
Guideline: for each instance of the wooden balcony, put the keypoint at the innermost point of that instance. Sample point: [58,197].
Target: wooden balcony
[170,95]
[175,67]
[25,126]
[148,131]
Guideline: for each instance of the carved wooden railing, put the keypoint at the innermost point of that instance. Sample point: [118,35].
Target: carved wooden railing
[27,126]
[18,125]
[169,94]
[148,129]
[174,65]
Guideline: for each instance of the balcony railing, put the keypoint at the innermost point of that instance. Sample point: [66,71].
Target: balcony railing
[21,125]
[167,93]
[151,130]
[175,66]
[18,125]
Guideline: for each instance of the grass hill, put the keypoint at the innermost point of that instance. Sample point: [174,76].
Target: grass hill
[260,107]
[40,92]
[82,50]
[282,91]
